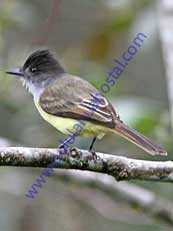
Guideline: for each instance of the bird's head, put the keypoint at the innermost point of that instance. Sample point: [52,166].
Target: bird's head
[41,66]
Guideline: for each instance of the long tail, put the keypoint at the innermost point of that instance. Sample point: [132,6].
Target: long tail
[140,140]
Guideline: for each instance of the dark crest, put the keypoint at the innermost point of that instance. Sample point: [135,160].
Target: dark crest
[42,61]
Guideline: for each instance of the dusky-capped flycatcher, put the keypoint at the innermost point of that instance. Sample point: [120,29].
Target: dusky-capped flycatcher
[62,98]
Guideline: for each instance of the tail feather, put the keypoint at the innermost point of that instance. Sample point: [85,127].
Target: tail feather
[140,140]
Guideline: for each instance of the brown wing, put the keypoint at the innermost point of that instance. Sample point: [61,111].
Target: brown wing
[72,97]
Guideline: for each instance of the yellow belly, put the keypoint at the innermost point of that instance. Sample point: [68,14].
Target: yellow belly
[65,124]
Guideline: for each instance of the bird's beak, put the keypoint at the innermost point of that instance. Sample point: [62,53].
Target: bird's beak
[15,71]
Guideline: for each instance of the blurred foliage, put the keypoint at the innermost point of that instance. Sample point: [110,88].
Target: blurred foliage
[87,36]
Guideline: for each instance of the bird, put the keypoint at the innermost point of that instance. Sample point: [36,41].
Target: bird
[61,98]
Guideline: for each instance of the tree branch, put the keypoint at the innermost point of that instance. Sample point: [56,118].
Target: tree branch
[166,38]
[45,30]
[145,200]
[122,168]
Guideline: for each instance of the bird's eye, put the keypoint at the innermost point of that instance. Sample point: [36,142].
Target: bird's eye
[33,69]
